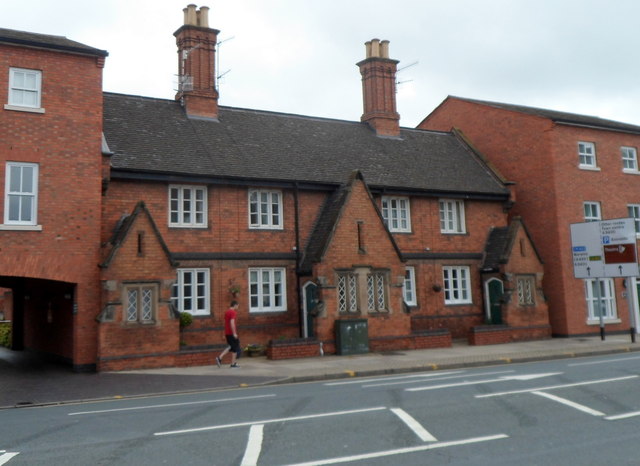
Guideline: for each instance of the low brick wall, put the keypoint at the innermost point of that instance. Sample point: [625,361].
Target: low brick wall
[293,348]
[497,334]
[421,340]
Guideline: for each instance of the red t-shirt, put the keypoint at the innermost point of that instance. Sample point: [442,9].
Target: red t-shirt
[229,315]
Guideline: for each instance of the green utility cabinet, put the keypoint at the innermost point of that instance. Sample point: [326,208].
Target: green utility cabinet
[352,336]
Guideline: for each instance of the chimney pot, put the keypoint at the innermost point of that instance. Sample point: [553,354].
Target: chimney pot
[375,47]
[204,17]
[190,15]
[367,45]
[384,49]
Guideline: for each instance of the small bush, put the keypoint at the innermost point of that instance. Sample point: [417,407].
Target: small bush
[186,319]
[5,334]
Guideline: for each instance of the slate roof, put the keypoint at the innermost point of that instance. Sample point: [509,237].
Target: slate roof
[500,245]
[559,117]
[154,136]
[31,39]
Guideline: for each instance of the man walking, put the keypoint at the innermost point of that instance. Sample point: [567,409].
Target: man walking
[231,334]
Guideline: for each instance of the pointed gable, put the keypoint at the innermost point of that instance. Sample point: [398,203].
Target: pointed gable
[122,235]
[500,243]
[349,228]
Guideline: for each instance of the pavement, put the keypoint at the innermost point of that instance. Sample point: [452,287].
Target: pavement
[26,380]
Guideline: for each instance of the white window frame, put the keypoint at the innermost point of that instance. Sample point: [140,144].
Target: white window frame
[452,216]
[142,308]
[191,292]
[265,209]
[396,213]
[587,155]
[267,289]
[187,206]
[348,300]
[629,159]
[457,284]
[15,190]
[17,88]
[409,287]
[607,298]
[377,295]
[634,213]
[526,287]
[592,211]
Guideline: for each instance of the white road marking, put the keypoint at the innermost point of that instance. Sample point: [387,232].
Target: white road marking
[590,363]
[476,382]
[414,425]
[170,405]
[553,387]
[254,446]
[270,421]
[564,401]
[400,451]
[430,374]
[5,456]
[617,417]
[404,382]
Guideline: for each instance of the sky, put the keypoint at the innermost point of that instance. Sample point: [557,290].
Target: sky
[299,56]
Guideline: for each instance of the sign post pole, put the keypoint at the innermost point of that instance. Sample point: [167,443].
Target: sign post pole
[632,312]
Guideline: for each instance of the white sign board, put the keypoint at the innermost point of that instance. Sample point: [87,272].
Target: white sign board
[604,249]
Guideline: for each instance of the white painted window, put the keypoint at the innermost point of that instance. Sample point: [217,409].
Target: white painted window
[140,303]
[191,291]
[187,206]
[592,212]
[348,292]
[607,299]
[21,194]
[265,209]
[457,286]
[25,88]
[452,216]
[587,154]
[634,213]
[629,159]
[396,213]
[267,289]
[376,292]
[409,287]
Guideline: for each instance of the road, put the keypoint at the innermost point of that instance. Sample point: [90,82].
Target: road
[567,412]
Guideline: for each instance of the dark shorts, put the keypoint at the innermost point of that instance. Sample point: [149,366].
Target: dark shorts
[234,343]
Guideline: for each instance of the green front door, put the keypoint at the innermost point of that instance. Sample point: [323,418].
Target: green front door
[496,290]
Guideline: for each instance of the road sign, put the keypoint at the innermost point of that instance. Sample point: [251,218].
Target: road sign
[605,248]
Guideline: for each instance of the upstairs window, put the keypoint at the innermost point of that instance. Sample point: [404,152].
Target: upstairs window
[265,209]
[592,212]
[21,194]
[629,159]
[452,216]
[395,211]
[25,88]
[587,154]
[187,206]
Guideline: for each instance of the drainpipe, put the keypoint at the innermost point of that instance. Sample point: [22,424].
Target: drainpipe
[298,289]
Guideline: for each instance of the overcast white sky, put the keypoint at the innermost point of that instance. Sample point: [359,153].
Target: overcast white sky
[299,56]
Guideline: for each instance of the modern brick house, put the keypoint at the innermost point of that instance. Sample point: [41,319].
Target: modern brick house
[568,169]
[311,224]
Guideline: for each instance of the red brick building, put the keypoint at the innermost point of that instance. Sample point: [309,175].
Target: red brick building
[567,169]
[318,227]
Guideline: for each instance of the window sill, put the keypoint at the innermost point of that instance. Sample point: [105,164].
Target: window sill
[606,321]
[630,171]
[17,108]
[6,227]
[589,168]
[199,227]
[267,311]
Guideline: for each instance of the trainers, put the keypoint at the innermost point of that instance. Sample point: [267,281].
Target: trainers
[218,362]
[234,365]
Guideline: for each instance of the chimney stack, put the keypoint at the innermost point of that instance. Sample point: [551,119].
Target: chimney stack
[196,64]
[379,89]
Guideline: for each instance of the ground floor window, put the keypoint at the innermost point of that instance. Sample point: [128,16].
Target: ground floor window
[347,292]
[267,290]
[191,291]
[140,303]
[361,290]
[409,288]
[457,286]
[607,305]
[376,292]
[526,286]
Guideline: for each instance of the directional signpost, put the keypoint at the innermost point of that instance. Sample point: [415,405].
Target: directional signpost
[605,249]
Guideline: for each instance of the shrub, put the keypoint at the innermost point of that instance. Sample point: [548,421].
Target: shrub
[5,334]
[186,319]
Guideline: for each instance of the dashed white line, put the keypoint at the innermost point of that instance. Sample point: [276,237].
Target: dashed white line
[414,425]
[170,405]
[417,376]
[564,401]
[5,456]
[404,382]
[400,451]
[591,363]
[269,421]
[617,417]
[254,446]
[553,387]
